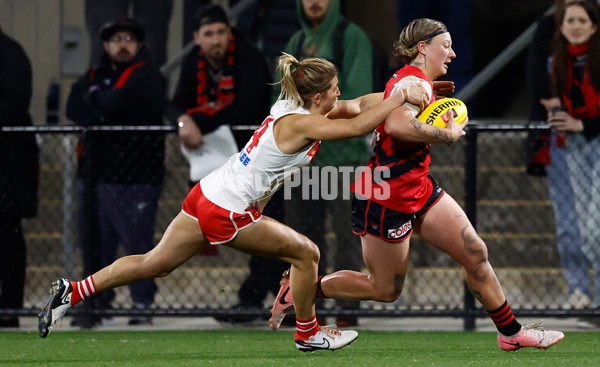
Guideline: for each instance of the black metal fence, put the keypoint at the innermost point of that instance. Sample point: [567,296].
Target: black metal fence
[484,172]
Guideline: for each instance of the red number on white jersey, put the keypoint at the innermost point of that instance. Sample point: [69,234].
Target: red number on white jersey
[257,134]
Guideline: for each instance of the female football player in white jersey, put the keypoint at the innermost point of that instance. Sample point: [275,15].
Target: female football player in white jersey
[225,206]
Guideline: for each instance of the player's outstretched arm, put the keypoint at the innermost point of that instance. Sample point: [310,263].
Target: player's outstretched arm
[371,115]
[414,94]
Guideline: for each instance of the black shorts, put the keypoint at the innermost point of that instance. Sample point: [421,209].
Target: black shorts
[385,223]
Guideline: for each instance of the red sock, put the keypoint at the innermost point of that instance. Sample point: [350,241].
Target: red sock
[306,328]
[82,290]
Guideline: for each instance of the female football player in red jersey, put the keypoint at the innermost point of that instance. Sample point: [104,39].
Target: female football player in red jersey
[385,214]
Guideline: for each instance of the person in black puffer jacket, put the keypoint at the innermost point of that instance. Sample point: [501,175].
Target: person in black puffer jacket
[119,173]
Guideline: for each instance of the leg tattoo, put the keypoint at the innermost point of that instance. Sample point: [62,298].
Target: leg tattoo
[480,273]
[398,283]
[477,294]
[472,243]
[470,239]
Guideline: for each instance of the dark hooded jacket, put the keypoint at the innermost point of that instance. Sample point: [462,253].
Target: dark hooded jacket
[131,94]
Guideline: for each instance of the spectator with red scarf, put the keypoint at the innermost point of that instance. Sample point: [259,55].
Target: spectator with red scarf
[224,80]
[575,79]
[547,156]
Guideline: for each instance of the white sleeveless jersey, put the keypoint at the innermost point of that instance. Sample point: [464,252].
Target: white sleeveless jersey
[252,176]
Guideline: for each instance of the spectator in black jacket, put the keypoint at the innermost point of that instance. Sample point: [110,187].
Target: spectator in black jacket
[120,173]
[224,80]
[18,174]
[153,15]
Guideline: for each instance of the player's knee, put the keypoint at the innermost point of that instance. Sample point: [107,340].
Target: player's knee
[475,249]
[477,264]
[304,250]
[478,251]
[156,269]
[156,272]
[390,292]
[310,251]
[162,273]
[387,296]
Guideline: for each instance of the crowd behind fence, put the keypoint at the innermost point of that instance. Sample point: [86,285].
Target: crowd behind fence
[484,172]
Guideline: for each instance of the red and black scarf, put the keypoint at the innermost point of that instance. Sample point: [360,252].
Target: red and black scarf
[581,99]
[225,89]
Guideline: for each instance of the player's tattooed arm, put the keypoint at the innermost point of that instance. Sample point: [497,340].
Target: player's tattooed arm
[432,134]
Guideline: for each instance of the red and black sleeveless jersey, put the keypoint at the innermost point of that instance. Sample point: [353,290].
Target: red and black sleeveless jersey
[396,176]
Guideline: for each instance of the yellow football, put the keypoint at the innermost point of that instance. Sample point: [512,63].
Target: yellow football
[435,113]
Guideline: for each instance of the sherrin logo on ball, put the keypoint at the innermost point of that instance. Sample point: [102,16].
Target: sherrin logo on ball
[435,113]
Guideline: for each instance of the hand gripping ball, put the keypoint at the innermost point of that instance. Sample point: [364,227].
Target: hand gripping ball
[435,113]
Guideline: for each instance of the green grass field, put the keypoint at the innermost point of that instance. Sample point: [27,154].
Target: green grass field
[241,347]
